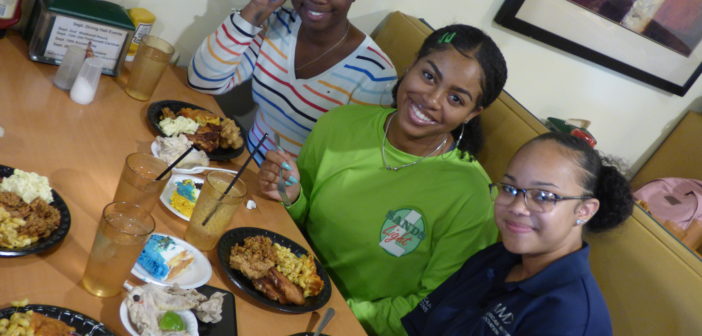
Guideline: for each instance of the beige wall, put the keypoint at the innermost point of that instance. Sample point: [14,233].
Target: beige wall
[628,117]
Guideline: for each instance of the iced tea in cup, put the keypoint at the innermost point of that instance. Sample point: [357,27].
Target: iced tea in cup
[150,61]
[205,237]
[121,235]
[138,184]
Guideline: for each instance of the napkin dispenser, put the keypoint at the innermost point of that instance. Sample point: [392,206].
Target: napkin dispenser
[56,24]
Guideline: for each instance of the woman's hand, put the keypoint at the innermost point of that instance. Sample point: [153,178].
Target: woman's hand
[257,11]
[268,176]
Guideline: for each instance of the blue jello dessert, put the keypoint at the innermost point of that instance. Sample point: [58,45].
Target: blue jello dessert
[163,259]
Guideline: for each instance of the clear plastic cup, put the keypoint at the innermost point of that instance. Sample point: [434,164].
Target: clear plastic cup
[150,61]
[213,210]
[137,183]
[120,237]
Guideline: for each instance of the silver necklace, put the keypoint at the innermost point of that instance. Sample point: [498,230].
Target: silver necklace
[328,50]
[382,150]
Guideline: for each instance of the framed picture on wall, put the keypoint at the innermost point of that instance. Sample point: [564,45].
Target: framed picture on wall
[656,42]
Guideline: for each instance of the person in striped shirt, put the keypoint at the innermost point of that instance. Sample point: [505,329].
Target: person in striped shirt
[306,61]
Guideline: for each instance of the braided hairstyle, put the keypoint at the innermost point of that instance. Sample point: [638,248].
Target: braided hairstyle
[600,179]
[470,42]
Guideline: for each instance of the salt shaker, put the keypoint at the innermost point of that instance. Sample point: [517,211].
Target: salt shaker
[85,85]
[70,65]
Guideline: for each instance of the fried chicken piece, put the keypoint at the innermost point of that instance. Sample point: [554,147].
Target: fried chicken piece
[291,292]
[206,137]
[254,258]
[203,117]
[47,326]
[266,286]
[229,137]
[277,287]
[167,113]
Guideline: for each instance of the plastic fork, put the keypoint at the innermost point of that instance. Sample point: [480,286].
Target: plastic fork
[281,183]
[327,317]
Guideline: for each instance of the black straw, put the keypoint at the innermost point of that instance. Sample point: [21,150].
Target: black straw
[236,178]
[181,157]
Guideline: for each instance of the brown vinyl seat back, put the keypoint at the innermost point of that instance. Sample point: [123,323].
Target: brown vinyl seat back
[679,155]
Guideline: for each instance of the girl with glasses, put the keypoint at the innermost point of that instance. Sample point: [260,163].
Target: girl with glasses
[537,280]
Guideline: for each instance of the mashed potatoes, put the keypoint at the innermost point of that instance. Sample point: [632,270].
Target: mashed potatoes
[178,125]
[28,186]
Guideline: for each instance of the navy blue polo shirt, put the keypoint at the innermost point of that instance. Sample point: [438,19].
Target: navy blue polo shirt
[562,299]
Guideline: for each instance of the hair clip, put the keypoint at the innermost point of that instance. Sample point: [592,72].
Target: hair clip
[447,37]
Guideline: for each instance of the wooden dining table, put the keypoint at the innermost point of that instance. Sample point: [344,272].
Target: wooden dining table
[81,149]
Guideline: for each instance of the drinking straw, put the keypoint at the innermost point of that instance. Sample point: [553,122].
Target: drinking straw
[236,178]
[181,157]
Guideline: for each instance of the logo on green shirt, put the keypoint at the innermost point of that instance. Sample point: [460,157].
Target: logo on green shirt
[402,231]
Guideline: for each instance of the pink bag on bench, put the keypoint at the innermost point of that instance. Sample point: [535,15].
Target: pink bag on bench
[674,199]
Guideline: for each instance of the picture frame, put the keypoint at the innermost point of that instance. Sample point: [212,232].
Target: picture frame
[584,32]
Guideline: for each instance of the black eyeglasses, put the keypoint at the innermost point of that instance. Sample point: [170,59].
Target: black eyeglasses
[535,199]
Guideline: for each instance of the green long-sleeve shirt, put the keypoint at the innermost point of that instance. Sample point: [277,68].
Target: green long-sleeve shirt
[388,238]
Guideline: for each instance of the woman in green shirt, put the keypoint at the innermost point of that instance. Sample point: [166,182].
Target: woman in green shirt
[392,199]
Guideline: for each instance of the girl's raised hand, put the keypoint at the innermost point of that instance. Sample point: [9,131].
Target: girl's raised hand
[257,11]
[269,177]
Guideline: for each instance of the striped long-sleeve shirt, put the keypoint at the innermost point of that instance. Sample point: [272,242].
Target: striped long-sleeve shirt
[238,51]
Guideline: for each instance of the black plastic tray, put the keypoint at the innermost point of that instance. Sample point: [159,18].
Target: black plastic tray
[154,113]
[236,236]
[85,326]
[45,243]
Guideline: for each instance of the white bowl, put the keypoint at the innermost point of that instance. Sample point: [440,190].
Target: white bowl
[188,318]
[197,274]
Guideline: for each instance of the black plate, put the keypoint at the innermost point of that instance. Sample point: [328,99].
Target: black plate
[236,236]
[154,115]
[84,325]
[225,327]
[44,243]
